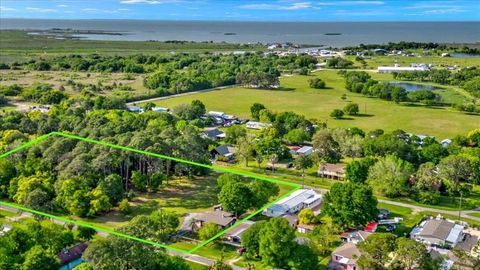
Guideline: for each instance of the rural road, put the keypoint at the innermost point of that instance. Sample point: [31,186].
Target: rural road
[464,213]
[180,95]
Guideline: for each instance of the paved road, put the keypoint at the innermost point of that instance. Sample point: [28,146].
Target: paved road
[180,95]
[464,213]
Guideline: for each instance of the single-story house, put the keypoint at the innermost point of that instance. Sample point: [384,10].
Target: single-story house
[224,152]
[214,134]
[235,234]
[333,171]
[5,228]
[292,220]
[305,150]
[354,237]
[438,232]
[301,150]
[345,257]
[221,218]
[134,109]
[305,228]
[446,142]
[298,200]
[72,257]
[160,109]
[216,114]
[257,125]
[371,227]
[398,68]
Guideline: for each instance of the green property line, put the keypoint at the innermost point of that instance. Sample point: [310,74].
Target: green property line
[83,224]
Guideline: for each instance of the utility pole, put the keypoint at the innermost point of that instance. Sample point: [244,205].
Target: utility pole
[460,207]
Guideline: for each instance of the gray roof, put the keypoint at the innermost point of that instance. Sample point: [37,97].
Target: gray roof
[349,251]
[213,133]
[437,228]
[221,218]
[225,149]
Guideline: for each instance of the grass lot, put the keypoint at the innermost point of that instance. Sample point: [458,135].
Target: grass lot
[16,45]
[212,250]
[297,96]
[474,214]
[409,219]
[374,61]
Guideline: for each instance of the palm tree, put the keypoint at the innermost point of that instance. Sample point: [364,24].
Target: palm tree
[303,162]
[273,159]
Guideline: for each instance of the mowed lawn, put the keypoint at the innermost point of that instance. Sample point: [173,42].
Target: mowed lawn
[298,97]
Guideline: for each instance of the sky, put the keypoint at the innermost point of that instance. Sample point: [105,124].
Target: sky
[249,10]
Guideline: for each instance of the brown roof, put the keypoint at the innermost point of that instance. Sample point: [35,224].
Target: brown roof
[221,218]
[292,219]
[68,255]
[307,226]
[332,167]
[437,228]
[348,250]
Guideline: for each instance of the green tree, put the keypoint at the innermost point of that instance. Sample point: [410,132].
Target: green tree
[337,114]
[297,136]
[208,231]
[276,243]
[324,237]
[317,83]
[219,265]
[350,205]
[255,110]
[303,162]
[357,170]
[85,233]
[112,186]
[39,258]
[351,109]
[262,192]
[410,255]
[7,172]
[303,257]
[250,239]
[100,202]
[37,199]
[376,249]
[389,176]
[155,181]
[139,180]
[456,173]
[326,148]
[306,216]
[234,133]
[125,207]
[235,197]
[245,147]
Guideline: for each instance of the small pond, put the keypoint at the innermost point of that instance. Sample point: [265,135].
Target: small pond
[464,55]
[412,87]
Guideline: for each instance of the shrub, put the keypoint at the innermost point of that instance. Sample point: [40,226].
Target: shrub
[351,109]
[317,83]
[336,114]
[125,207]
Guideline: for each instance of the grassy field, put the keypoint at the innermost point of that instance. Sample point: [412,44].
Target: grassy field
[386,60]
[474,214]
[17,45]
[298,97]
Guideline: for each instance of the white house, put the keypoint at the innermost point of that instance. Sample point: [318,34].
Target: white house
[257,125]
[216,114]
[398,68]
[438,232]
[298,200]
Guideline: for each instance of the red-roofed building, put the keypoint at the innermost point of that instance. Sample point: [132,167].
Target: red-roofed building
[371,227]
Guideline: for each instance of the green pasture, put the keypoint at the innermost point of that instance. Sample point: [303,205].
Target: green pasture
[297,96]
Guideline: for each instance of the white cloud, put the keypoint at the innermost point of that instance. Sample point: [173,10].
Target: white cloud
[43,10]
[435,8]
[62,6]
[350,3]
[279,6]
[361,13]
[7,9]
